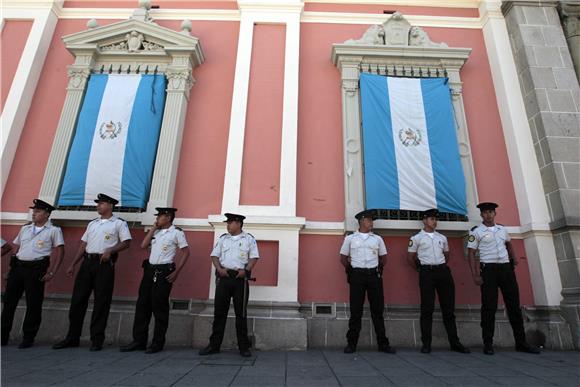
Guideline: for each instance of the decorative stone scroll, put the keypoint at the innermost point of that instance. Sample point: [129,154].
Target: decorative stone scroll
[133,42]
[396,31]
[395,48]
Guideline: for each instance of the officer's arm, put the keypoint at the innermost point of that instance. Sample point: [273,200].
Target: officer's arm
[80,253]
[148,237]
[344,259]
[6,248]
[120,246]
[59,258]
[183,255]
[446,255]
[511,254]
[251,263]
[412,259]
[382,260]
[473,261]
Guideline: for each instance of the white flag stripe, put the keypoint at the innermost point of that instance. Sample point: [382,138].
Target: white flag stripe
[105,167]
[414,169]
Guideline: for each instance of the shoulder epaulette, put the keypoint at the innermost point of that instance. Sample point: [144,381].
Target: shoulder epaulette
[499,224]
[251,235]
[121,219]
[473,228]
[224,234]
[28,224]
[178,228]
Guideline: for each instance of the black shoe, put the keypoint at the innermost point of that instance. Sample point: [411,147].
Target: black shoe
[526,348]
[4,342]
[387,349]
[133,346]
[26,344]
[245,353]
[458,347]
[66,343]
[96,347]
[426,349]
[488,349]
[209,350]
[349,349]
[153,349]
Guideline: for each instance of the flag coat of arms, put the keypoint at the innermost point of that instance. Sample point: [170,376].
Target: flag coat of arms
[116,139]
[411,154]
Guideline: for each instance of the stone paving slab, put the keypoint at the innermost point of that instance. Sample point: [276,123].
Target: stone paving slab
[42,366]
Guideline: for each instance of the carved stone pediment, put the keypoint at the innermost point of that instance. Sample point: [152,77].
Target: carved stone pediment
[134,38]
[396,31]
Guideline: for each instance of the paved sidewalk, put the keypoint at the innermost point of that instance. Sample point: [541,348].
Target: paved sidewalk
[40,366]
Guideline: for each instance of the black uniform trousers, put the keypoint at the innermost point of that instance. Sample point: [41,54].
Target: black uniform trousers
[437,279]
[500,276]
[24,277]
[153,300]
[97,277]
[226,289]
[370,283]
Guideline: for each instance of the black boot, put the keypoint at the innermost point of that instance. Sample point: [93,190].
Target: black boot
[133,346]
[66,343]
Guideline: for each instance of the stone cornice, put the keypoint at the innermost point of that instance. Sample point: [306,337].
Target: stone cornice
[508,5]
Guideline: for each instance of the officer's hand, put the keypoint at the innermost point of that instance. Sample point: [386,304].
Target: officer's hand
[47,277]
[171,277]
[515,261]
[70,271]
[106,256]
[477,280]
[241,273]
[155,225]
[222,272]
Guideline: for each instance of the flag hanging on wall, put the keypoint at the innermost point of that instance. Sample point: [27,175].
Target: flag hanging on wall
[115,142]
[411,153]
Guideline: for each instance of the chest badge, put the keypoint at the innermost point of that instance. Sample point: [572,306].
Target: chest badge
[107,237]
[40,244]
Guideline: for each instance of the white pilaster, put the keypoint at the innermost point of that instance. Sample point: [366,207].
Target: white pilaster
[532,207]
[27,74]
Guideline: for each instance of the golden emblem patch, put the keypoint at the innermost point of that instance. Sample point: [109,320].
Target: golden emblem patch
[410,242]
[471,238]
[40,244]
[107,237]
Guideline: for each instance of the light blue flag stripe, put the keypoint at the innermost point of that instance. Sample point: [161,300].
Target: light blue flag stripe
[380,163]
[447,170]
[73,187]
[142,140]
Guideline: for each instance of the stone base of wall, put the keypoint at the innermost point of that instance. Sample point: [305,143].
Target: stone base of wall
[288,326]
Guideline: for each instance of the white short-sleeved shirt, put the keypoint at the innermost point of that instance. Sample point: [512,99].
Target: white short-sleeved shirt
[165,244]
[490,241]
[103,234]
[234,251]
[364,249]
[37,242]
[429,247]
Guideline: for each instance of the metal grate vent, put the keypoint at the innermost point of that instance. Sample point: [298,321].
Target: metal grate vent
[180,304]
[323,310]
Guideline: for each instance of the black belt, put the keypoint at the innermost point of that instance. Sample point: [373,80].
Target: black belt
[163,266]
[494,265]
[36,264]
[372,270]
[433,267]
[97,257]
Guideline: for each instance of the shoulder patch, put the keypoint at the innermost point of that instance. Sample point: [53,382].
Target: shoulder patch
[473,228]
[471,238]
[410,242]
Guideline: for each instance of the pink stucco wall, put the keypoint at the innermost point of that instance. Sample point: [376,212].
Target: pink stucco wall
[12,41]
[263,134]
[319,262]
[193,281]
[380,9]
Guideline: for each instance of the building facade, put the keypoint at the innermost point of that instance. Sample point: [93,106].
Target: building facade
[262,117]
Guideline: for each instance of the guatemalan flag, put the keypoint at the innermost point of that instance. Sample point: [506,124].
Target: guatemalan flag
[116,139]
[411,154]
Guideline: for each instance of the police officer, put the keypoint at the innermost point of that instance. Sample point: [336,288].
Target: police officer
[363,255]
[234,256]
[30,270]
[493,269]
[429,253]
[100,245]
[159,274]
